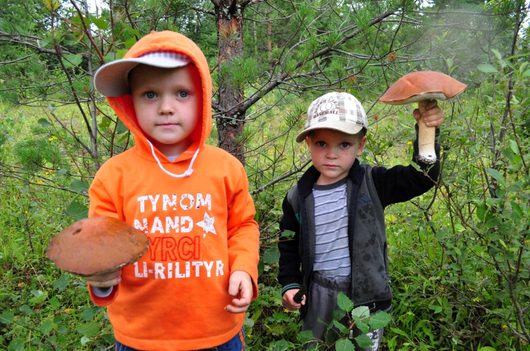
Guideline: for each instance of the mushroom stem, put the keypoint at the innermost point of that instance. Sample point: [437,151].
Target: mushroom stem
[426,136]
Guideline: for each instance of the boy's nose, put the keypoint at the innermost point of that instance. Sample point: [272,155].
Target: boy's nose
[331,153]
[166,106]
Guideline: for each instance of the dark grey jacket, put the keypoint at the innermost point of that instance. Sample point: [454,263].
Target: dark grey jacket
[370,190]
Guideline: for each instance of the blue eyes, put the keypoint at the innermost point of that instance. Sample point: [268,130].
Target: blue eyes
[152,95]
[343,146]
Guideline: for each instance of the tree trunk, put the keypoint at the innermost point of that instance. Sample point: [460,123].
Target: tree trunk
[230,118]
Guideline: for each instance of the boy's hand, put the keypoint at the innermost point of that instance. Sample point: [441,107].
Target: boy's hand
[104,280]
[241,288]
[429,111]
[289,302]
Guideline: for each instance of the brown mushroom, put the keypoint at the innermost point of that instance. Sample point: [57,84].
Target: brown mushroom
[422,86]
[96,246]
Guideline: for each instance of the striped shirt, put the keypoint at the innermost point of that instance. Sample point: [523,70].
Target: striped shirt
[332,254]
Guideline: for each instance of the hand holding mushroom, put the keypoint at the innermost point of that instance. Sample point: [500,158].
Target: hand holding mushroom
[424,87]
[429,114]
[97,249]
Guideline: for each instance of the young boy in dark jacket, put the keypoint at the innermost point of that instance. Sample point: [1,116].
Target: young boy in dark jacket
[336,212]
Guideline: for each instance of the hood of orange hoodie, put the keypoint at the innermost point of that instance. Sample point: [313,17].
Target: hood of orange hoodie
[123,105]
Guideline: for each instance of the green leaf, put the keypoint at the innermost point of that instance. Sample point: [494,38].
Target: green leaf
[108,338]
[287,234]
[72,60]
[481,211]
[39,297]
[486,348]
[514,147]
[16,344]
[517,211]
[101,23]
[496,175]
[344,345]
[84,340]
[77,210]
[54,303]
[380,320]
[487,68]
[271,255]
[79,186]
[130,42]
[362,325]
[43,122]
[46,326]
[364,341]
[280,345]
[436,308]
[121,128]
[26,310]
[89,329]
[497,54]
[62,282]
[362,18]
[51,5]
[249,323]
[304,336]
[7,317]
[360,312]
[344,302]
[89,313]
[104,123]
[399,332]
[340,327]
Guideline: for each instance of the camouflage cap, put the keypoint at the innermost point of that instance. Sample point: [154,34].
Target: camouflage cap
[335,110]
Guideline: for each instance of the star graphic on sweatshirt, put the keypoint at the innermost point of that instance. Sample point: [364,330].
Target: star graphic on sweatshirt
[207,224]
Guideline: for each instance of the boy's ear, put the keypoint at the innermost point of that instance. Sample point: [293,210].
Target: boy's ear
[362,142]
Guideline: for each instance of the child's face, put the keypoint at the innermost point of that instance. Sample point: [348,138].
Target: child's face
[333,153]
[167,104]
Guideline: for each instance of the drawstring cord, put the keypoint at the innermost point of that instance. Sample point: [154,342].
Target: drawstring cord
[186,173]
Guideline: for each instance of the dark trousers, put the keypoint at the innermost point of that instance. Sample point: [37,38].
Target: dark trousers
[237,343]
[324,291]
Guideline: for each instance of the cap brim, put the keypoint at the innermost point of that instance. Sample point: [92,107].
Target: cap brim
[111,79]
[344,127]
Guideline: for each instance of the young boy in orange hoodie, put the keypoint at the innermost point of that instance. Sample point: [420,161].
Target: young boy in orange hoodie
[191,289]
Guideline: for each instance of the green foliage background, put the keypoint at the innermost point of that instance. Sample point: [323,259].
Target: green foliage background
[459,254]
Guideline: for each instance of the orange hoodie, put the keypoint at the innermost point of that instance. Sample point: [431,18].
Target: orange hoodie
[199,217]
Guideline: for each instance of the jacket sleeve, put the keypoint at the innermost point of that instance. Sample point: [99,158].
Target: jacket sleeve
[243,231]
[290,275]
[101,204]
[102,301]
[402,183]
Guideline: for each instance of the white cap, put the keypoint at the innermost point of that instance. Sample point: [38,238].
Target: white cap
[112,79]
[335,110]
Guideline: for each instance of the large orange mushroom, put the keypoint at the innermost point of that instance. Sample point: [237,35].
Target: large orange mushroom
[96,245]
[422,86]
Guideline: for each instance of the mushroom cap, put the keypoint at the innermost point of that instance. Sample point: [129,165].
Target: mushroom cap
[422,85]
[96,245]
